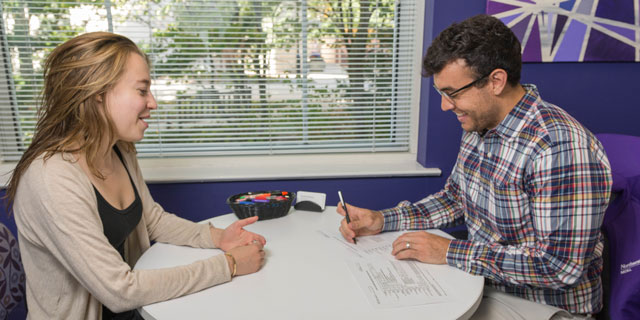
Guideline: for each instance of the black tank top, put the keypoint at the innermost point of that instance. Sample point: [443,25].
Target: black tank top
[118,225]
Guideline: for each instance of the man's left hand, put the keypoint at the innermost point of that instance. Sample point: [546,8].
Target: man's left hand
[422,246]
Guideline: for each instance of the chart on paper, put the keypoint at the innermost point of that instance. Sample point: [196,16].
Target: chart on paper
[388,283]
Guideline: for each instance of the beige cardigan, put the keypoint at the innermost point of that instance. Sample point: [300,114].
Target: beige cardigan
[70,266]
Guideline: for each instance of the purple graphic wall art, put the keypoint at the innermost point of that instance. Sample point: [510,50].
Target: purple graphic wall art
[573,30]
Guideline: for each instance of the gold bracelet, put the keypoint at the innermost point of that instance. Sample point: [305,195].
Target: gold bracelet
[233,260]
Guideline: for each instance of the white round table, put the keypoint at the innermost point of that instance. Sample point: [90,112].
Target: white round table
[305,276]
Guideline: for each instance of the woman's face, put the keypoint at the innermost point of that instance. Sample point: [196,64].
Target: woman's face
[130,102]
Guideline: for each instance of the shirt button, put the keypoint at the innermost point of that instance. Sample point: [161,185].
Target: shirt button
[459,265]
[489,154]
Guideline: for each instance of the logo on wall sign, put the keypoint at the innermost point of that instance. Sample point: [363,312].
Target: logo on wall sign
[625,268]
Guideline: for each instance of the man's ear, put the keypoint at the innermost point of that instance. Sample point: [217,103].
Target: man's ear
[498,81]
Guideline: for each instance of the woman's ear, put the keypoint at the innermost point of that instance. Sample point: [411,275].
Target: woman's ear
[498,80]
[99,98]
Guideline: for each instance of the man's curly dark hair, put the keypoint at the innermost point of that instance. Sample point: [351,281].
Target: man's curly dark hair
[485,44]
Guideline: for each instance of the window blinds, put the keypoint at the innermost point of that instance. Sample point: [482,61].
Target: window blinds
[234,76]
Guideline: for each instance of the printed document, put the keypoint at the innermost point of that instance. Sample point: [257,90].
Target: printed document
[386,281]
[396,283]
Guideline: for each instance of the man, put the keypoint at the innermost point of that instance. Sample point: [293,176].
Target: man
[530,183]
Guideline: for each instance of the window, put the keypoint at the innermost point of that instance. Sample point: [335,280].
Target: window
[235,76]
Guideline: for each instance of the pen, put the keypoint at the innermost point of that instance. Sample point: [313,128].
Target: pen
[346,213]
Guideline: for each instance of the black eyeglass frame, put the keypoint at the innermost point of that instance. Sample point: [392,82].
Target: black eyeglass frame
[451,95]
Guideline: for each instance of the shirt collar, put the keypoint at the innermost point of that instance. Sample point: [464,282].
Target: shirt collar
[513,122]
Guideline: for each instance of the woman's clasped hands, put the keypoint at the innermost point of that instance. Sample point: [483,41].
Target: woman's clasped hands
[244,247]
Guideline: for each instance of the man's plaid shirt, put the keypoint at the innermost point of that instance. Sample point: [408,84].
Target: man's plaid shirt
[532,193]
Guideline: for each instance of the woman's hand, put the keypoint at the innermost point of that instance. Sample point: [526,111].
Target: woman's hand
[235,235]
[248,258]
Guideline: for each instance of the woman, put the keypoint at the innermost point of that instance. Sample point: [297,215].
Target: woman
[83,211]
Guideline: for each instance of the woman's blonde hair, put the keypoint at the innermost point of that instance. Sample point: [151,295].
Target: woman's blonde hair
[71,117]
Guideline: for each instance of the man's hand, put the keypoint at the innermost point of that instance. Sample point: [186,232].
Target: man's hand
[422,246]
[235,235]
[363,222]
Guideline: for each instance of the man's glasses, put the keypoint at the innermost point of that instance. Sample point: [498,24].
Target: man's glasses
[451,96]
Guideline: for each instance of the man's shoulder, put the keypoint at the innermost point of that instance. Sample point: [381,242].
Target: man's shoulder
[554,126]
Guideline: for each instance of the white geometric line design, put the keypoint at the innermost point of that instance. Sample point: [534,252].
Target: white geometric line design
[515,21]
[564,12]
[636,10]
[546,12]
[561,37]
[527,34]
[585,41]
[545,23]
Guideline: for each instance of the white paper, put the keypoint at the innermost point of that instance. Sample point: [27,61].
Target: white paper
[395,283]
[371,246]
[386,281]
[379,245]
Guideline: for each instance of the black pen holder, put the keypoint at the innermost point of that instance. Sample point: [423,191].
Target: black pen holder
[250,204]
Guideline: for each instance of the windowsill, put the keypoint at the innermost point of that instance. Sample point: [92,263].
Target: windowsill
[279,167]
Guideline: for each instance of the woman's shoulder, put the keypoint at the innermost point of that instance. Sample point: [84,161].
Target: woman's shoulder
[57,178]
[57,168]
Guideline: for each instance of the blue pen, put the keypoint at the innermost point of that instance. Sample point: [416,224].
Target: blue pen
[346,213]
